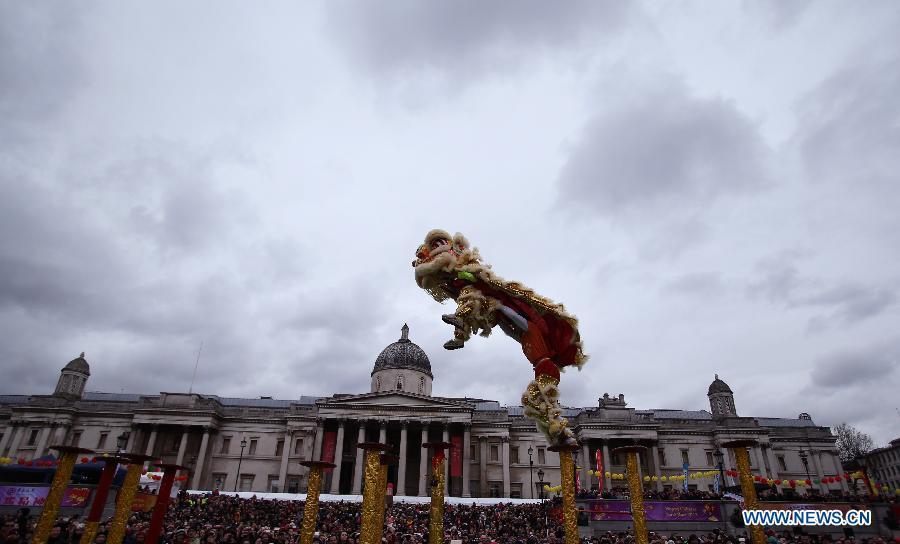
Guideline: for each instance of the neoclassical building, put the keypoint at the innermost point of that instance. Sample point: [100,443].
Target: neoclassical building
[257,444]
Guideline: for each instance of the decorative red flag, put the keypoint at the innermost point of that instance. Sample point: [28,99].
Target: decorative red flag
[456,456]
[599,455]
[328,444]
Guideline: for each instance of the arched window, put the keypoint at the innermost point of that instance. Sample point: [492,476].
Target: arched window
[422,385]
[378,383]
[400,382]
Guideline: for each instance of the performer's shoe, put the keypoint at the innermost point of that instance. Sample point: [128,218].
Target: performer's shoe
[451,319]
[454,344]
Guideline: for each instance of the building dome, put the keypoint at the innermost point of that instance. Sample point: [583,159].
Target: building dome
[718,386]
[403,354]
[79,364]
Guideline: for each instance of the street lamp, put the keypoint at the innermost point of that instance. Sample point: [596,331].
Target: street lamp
[804,458]
[720,462]
[541,482]
[531,469]
[240,459]
[121,442]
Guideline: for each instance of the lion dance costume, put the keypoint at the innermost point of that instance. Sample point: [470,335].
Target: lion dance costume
[448,268]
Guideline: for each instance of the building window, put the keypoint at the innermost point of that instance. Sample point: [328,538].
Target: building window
[422,385]
[246,482]
[399,382]
[279,448]
[542,456]
[293,484]
[226,444]
[514,454]
[615,459]
[102,442]
[662,457]
[378,383]
[252,450]
[219,480]
[298,446]
[272,484]
[495,453]
[684,457]
[76,439]
[709,459]
[473,452]
[32,438]
[495,489]
[515,491]
[781,464]
[174,443]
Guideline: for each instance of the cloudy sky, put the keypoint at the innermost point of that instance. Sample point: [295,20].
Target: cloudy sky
[710,186]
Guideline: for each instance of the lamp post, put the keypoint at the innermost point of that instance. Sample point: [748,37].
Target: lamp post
[804,458]
[720,462]
[531,469]
[240,459]
[121,442]
[541,482]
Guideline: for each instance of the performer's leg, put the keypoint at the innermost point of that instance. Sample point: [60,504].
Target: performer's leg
[541,399]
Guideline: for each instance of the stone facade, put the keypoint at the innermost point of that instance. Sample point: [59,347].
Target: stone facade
[883,464]
[257,444]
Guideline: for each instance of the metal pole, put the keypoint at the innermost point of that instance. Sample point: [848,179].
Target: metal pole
[240,460]
[531,470]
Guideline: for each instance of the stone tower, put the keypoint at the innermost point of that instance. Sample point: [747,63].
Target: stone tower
[73,377]
[721,399]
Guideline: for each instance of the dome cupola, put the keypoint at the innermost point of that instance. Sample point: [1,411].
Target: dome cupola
[402,366]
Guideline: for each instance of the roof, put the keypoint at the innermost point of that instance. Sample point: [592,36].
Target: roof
[262,403]
[718,386]
[112,397]
[403,354]
[680,414]
[14,399]
[79,364]
[784,422]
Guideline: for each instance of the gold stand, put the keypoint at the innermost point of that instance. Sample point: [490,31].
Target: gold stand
[567,480]
[371,527]
[67,458]
[126,496]
[742,460]
[311,508]
[636,490]
[384,461]
[436,514]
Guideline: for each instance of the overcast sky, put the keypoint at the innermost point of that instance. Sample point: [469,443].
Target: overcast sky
[711,187]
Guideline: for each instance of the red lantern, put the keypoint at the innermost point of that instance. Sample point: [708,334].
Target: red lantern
[21,461]
[808,482]
[777,482]
[84,459]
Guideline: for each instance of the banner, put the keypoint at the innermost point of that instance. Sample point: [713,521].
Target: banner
[456,456]
[143,502]
[716,484]
[685,468]
[603,510]
[20,495]
[328,444]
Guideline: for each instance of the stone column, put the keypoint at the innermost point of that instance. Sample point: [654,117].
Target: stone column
[773,467]
[401,469]
[819,470]
[607,483]
[585,464]
[59,437]
[423,464]
[382,431]
[7,437]
[21,429]
[42,441]
[338,458]
[835,458]
[358,468]
[446,438]
[653,452]
[482,465]
[132,437]
[466,460]
[201,459]
[760,463]
[317,444]
[151,443]
[505,458]
[183,446]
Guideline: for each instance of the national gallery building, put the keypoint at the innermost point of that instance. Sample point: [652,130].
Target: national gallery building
[257,444]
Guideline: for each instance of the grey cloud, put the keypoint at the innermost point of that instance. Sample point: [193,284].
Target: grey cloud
[468,37]
[850,125]
[695,284]
[858,367]
[663,147]
[780,15]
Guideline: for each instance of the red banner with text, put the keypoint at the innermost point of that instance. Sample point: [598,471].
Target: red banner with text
[328,444]
[456,456]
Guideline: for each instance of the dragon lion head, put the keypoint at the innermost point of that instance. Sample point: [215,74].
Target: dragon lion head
[440,254]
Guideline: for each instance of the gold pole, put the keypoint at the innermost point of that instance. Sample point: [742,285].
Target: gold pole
[311,508]
[126,497]
[742,460]
[436,514]
[61,478]
[567,480]
[384,460]
[371,528]
[636,490]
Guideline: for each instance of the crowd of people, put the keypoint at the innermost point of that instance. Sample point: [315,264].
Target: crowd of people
[214,518]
